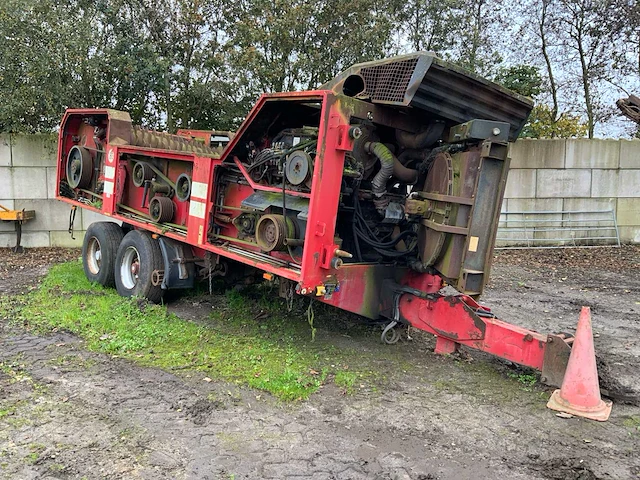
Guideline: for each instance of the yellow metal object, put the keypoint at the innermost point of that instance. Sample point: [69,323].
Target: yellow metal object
[321,291]
[16,215]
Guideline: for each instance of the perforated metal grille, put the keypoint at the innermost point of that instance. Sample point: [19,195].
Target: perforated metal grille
[389,82]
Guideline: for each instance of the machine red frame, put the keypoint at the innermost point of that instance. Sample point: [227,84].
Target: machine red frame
[372,290]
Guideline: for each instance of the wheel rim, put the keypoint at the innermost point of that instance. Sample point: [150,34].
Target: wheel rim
[130,268]
[94,255]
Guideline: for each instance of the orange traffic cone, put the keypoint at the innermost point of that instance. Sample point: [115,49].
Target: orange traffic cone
[580,391]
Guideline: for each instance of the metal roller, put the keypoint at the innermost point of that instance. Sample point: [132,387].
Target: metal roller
[165,141]
[183,187]
[79,167]
[141,173]
[161,209]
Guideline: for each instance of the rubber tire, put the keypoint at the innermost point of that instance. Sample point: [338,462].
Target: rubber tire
[109,235]
[150,258]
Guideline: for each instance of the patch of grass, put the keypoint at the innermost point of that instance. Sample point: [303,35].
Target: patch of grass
[268,351]
[447,386]
[56,468]
[347,380]
[633,424]
[6,410]
[527,380]
[36,449]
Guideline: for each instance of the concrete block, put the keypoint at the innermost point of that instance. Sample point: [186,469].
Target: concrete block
[521,228]
[616,183]
[538,204]
[88,217]
[629,211]
[50,215]
[5,150]
[7,226]
[629,234]
[534,153]
[8,203]
[533,204]
[629,183]
[521,183]
[6,182]
[581,224]
[29,239]
[630,153]
[63,239]
[605,183]
[23,182]
[35,150]
[563,183]
[592,153]
[586,204]
[51,182]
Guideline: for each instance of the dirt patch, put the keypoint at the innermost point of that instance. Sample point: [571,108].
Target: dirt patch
[21,271]
[545,290]
[66,412]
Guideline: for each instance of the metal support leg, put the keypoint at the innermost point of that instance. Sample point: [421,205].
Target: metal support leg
[444,346]
[18,248]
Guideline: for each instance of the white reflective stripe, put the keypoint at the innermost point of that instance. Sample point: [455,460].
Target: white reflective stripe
[109,172]
[196,209]
[199,190]
[108,188]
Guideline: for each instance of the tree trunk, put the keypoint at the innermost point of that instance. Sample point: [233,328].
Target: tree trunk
[547,59]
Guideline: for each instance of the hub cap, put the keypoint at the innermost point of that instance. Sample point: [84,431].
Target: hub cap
[94,255]
[130,268]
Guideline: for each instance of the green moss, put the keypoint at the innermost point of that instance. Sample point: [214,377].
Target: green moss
[633,424]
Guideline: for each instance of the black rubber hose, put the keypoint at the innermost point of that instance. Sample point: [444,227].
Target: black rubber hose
[423,139]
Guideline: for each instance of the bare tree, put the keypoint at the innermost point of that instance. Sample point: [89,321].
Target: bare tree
[586,42]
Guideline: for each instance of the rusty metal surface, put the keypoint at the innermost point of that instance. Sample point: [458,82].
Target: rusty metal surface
[438,88]
[556,357]
[439,181]
[630,107]
[165,141]
[466,166]
[483,221]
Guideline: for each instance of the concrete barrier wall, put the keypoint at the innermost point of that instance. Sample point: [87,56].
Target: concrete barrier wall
[27,180]
[576,174]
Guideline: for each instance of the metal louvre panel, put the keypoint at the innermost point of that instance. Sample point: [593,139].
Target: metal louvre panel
[388,82]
